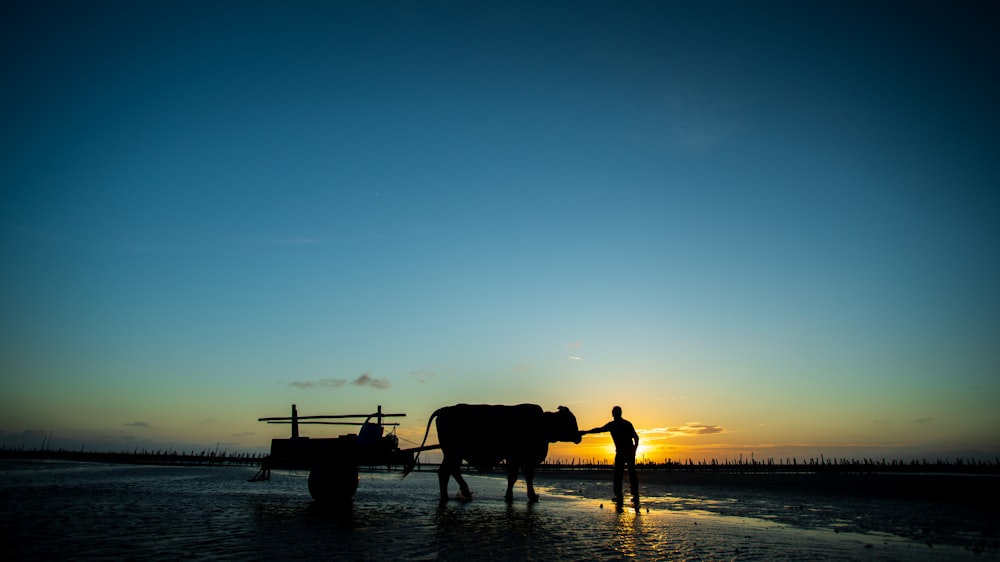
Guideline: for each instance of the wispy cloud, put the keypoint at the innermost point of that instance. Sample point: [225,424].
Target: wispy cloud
[365,379]
[574,347]
[690,429]
[117,437]
[422,376]
[137,424]
[319,383]
[28,435]
[924,420]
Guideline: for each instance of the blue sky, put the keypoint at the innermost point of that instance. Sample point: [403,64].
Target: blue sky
[772,221]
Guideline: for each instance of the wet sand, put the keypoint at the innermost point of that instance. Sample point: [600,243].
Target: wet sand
[954,510]
[89,511]
[982,491]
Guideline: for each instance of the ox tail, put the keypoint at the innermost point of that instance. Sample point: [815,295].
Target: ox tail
[413,463]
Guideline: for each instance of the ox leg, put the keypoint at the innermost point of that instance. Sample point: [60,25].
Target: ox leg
[462,486]
[511,480]
[444,473]
[529,479]
[449,469]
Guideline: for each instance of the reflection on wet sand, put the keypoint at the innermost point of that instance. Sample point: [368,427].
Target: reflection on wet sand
[138,512]
[628,529]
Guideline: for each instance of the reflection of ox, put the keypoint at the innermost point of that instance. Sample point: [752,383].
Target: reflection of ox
[483,435]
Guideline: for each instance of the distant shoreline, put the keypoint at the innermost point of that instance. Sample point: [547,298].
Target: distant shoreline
[701,473]
[166,458]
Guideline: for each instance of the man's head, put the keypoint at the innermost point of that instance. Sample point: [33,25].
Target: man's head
[616,412]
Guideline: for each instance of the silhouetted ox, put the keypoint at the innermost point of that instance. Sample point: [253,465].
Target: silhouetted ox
[483,435]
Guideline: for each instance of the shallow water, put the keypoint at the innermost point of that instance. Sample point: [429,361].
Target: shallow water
[956,520]
[87,511]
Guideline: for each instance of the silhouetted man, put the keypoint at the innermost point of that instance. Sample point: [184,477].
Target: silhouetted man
[626,442]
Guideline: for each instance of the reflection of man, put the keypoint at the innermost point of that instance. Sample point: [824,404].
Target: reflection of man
[626,442]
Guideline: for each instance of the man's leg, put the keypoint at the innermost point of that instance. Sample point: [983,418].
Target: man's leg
[633,480]
[619,476]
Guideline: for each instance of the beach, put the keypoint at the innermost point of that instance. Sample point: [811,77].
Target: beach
[933,509]
[93,511]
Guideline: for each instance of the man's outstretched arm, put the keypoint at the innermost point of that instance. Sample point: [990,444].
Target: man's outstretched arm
[601,429]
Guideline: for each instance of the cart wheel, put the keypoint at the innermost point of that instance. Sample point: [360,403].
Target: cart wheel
[333,483]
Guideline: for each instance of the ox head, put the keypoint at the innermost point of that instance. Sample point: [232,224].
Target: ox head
[562,426]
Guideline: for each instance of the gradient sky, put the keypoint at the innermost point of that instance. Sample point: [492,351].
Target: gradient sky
[759,227]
